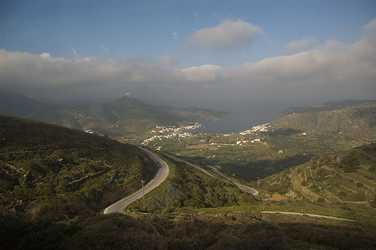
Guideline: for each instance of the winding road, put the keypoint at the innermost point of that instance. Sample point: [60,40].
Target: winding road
[162,174]
[159,178]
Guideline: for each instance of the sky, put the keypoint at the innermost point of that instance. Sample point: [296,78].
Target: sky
[231,55]
[152,29]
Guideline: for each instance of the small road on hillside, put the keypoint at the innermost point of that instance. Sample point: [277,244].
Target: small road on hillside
[159,178]
[309,215]
[242,187]
[218,173]
[191,165]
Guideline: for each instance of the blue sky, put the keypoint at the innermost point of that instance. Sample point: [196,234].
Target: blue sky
[153,29]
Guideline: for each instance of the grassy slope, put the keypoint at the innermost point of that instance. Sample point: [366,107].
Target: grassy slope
[355,123]
[55,172]
[341,178]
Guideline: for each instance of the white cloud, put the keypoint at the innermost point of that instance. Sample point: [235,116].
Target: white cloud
[228,34]
[45,55]
[302,44]
[370,30]
[45,70]
[201,73]
[371,25]
[330,70]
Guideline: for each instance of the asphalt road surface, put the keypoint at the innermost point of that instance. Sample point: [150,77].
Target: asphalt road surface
[160,177]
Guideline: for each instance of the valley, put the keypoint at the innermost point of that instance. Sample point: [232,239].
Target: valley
[187,125]
[274,178]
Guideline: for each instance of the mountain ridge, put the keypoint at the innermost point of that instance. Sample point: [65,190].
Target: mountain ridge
[122,117]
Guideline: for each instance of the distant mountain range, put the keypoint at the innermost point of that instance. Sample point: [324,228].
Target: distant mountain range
[125,116]
[328,106]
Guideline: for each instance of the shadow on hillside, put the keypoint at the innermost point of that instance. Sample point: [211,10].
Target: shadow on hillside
[251,170]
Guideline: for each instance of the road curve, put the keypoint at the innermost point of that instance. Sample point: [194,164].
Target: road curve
[159,178]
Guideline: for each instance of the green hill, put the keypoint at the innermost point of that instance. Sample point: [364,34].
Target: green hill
[342,178]
[60,173]
[189,187]
[55,181]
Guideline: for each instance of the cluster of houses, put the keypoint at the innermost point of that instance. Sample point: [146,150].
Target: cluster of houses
[166,132]
[243,142]
[265,127]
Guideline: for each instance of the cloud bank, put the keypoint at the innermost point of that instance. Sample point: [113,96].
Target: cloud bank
[330,70]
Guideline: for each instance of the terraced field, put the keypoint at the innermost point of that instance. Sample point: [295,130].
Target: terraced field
[347,178]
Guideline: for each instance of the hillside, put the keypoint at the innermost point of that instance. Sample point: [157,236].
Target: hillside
[131,118]
[191,187]
[54,183]
[59,173]
[342,178]
[212,230]
[356,121]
